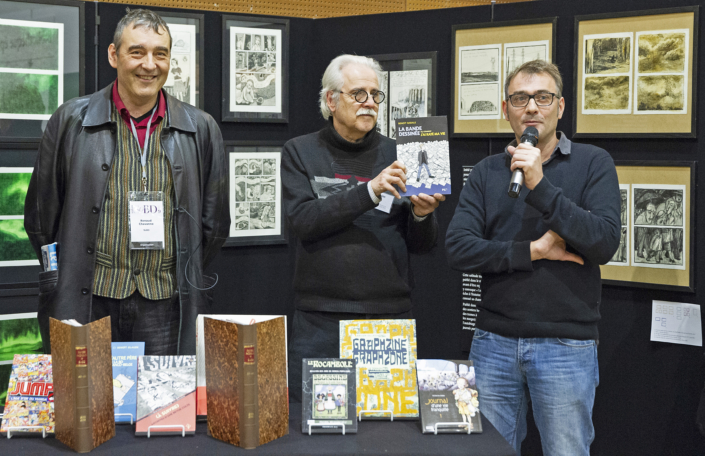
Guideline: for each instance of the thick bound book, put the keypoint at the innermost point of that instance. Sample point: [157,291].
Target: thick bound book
[125,356]
[30,396]
[248,403]
[329,395]
[385,352]
[448,395]
[83,383]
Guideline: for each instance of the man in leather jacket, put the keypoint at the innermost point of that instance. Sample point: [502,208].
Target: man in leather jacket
[98,152]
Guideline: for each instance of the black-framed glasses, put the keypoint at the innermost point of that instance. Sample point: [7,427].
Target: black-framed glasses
[520,100]
[361,96]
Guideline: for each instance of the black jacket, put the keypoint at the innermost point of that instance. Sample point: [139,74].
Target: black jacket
[66,193]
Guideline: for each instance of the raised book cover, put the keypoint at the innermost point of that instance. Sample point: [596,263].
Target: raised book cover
[329,395]
[166,395]
[448,395]
[30,396]
[125,356]
[385,353]
[422,145]
[247,389]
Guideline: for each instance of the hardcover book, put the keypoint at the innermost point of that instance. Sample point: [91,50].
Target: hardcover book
[422,145]
[166,395]
[125,356]
[30,395]
[83,383]
[248,402]
[448,395]
[385,353]
[329,396]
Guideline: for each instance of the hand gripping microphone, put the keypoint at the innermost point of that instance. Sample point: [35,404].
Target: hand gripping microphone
[530,136]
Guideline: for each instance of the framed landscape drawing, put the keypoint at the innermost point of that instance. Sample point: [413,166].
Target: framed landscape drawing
[409,84]
[255,69]
[483,56]
[636,74]
[185,80]
[41,64]
[256,211]
[658,221]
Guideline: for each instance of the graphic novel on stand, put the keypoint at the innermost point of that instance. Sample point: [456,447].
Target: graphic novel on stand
[422,145]
[385,353]
[125,357]
[166,394]
[329,395]
[30,395]
[448,394]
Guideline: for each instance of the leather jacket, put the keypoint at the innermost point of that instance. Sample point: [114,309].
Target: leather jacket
[66,193]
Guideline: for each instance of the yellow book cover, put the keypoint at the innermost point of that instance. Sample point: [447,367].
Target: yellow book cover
[385,351]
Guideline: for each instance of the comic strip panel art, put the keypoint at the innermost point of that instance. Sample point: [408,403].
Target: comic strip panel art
[255,193]
[330,399]
[15,248]
[181,81]
[479,82]
[621,256]
[407,96]
[607,67]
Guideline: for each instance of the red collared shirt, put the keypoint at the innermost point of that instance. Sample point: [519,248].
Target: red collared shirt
[141,127]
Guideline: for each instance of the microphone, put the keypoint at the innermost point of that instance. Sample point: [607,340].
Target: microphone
[530,136]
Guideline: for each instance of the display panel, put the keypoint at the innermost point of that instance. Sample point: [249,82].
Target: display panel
[483,56]
[185,80]
[635,74]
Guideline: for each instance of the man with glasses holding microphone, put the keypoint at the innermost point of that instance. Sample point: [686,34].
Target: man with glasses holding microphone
[354,230]
[539,249]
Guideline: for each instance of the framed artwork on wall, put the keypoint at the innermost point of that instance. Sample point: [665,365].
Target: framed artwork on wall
[255,69]
[636,74]
[256,209]
[185,80]
[483,55]
[409,83]
[42,63]
[658,226]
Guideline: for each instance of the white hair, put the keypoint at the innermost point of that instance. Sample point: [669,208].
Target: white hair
[333,77]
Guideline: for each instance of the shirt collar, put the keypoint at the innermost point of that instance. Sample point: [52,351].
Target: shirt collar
[125,114]
[563,146]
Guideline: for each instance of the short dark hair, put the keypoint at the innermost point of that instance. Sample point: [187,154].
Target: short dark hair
[536,67]
[139,18]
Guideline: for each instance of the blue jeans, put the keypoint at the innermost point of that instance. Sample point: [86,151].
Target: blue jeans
[421,166]
[559,376]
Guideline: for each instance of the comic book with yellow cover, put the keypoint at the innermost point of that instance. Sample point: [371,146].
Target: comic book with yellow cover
[385,353]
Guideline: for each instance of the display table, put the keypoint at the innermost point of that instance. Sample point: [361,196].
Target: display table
[373,437]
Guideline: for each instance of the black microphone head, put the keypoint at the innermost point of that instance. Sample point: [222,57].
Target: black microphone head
[530,135]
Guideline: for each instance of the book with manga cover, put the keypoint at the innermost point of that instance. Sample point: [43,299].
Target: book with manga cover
[448,396]
[422,145]
[30,395]
[166,395]
[385,355]
[329,394]
[125,356]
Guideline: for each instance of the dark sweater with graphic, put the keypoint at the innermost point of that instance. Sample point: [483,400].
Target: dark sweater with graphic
[350,257]
[578,198]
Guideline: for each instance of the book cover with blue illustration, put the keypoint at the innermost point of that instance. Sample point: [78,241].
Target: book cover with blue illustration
[422,145]
[125,357]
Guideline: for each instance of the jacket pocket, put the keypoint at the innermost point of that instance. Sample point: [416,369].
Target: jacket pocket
[47,281]
[103,259]
[168,263]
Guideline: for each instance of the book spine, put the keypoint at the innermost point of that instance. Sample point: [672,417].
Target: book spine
[82,426]
[247,358]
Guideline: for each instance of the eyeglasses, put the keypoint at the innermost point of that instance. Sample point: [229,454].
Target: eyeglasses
[361,96]
[521,100]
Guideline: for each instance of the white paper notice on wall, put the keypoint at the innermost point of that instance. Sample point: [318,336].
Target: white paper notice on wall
[677,323]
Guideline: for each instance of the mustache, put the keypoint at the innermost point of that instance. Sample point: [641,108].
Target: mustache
[366,112]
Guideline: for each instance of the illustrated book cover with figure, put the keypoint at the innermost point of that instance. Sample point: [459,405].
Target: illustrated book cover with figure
[422,145]
[125,357]
[166,395]
[385,355]
[247,389]
[329,393]
[30,395]
[448,395]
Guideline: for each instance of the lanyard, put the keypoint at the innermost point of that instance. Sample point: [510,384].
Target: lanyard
[143,152]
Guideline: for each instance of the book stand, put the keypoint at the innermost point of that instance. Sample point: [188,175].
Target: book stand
[126,414]
[359,415]
[21,428]
[453,424]
[167,426]
[327,424]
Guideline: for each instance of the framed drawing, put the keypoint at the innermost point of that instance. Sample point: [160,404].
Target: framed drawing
[255,69]
[256,210]
[636,74]
[658,227]
[410,85]
[483,55]
[185,80]
[41,64]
